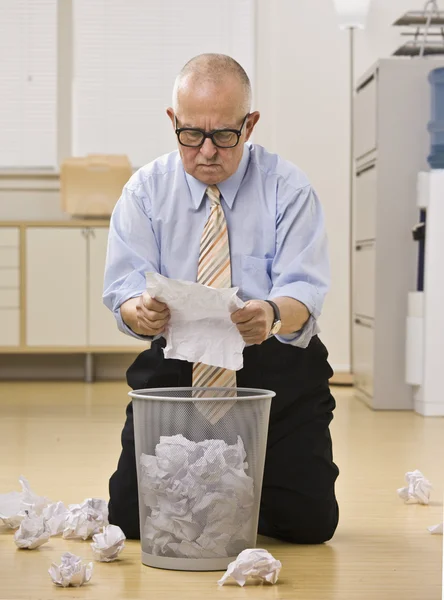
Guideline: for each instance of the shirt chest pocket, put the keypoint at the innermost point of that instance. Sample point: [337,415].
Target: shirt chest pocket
[256,277]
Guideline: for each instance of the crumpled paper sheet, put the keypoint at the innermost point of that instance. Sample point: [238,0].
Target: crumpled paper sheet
[255,563]
[436,529]
[86,519]
[10,509]
[418,489]
[71,571]
[56,515]
[200,328]
[33,532]
[200,497]
[15,505]
[108,544]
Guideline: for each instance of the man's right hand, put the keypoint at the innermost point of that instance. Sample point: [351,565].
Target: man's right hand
[145,315]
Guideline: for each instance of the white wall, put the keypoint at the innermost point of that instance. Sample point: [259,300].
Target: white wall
[302,93]
[380,38]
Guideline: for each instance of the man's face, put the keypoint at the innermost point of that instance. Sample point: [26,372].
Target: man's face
[208,107]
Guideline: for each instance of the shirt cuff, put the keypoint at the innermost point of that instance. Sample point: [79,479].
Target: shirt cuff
[301,338]
[123,327]
[307,294]
[303,292]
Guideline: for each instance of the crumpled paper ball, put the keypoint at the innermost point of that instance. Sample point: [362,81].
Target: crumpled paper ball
[86,519]
[71,571]
[108,544]
[436,529]
[255,563]
[56,515]
[418,489]
[15,505]
[200,496]
[33,532]
[10,507]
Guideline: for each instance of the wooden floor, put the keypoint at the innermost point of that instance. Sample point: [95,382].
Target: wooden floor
[64,437]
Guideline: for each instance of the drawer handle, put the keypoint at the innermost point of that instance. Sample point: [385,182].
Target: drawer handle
[363,323]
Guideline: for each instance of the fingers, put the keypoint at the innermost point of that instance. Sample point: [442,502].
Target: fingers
[152,315]
[254,338]
[152,304]
[243,315]
[246,328]
[156,326]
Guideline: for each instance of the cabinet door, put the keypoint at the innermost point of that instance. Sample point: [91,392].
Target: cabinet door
[102,330]
[9,286]
[365,204]
[56,278]
[365,109]
[364,279]
[363,360]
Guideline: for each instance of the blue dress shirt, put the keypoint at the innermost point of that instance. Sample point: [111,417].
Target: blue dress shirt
[275,223]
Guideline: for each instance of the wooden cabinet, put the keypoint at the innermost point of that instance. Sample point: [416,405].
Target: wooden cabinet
[51,285]
[9,286]
[63,269]
[56,286]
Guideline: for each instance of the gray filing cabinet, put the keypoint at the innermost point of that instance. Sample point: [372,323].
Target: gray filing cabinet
[391,144]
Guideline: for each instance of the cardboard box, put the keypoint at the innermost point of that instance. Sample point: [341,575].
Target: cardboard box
[91,185]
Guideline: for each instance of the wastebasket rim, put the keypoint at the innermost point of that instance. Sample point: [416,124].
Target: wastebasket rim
[150,394]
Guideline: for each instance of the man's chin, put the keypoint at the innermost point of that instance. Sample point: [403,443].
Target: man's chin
[210,176]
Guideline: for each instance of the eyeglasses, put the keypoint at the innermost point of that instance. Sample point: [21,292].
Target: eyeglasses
[222,138]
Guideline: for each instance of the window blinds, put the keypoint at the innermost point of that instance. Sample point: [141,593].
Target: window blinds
[28,83]
[126,56]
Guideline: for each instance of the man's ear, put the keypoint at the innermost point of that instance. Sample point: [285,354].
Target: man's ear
[170,113]
[250,125]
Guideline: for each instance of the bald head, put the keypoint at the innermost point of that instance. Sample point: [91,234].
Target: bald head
[217,70]
[212,93]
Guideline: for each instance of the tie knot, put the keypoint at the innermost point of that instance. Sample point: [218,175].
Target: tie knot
[213,194]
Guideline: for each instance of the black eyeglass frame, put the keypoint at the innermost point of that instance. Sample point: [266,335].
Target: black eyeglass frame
[209,134]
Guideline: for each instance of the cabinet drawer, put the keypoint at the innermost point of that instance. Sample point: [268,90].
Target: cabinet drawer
[9,298]
[9,327]
[363,359]
[9,236]
[9,278]
[365,204]
[364,279]
[365,137]
[9,257]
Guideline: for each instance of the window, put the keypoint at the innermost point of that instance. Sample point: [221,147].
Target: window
[126,56]
[28,83]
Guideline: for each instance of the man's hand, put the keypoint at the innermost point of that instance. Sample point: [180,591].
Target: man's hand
[254,321]
[145,315]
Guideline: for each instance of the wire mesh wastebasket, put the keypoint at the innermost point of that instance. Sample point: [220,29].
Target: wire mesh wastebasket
[200,456]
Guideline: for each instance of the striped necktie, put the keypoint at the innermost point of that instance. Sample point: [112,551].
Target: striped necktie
[214,270]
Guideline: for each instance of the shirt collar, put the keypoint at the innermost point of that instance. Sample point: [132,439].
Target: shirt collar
[227,188]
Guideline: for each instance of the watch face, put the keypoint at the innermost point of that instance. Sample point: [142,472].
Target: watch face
[276,327]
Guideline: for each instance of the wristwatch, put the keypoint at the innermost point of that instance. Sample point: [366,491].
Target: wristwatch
[277,318]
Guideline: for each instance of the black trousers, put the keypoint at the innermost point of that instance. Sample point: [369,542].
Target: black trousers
[298,502]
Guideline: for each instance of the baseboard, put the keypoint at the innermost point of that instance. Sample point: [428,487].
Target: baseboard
[342,375]
[429,409]
[63,367]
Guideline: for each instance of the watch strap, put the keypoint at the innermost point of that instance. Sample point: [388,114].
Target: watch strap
[277,312]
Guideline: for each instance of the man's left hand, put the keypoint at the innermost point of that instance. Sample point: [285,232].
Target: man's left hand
[254,321]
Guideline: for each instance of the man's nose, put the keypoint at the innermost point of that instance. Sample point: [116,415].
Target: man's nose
[208,149]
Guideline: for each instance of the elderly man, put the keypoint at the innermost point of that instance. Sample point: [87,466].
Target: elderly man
[224,212]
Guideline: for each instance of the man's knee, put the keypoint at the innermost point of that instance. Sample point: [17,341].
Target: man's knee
[123,506]
[313,524]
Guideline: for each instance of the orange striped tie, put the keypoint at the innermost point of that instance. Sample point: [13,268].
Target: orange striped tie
[214,270]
